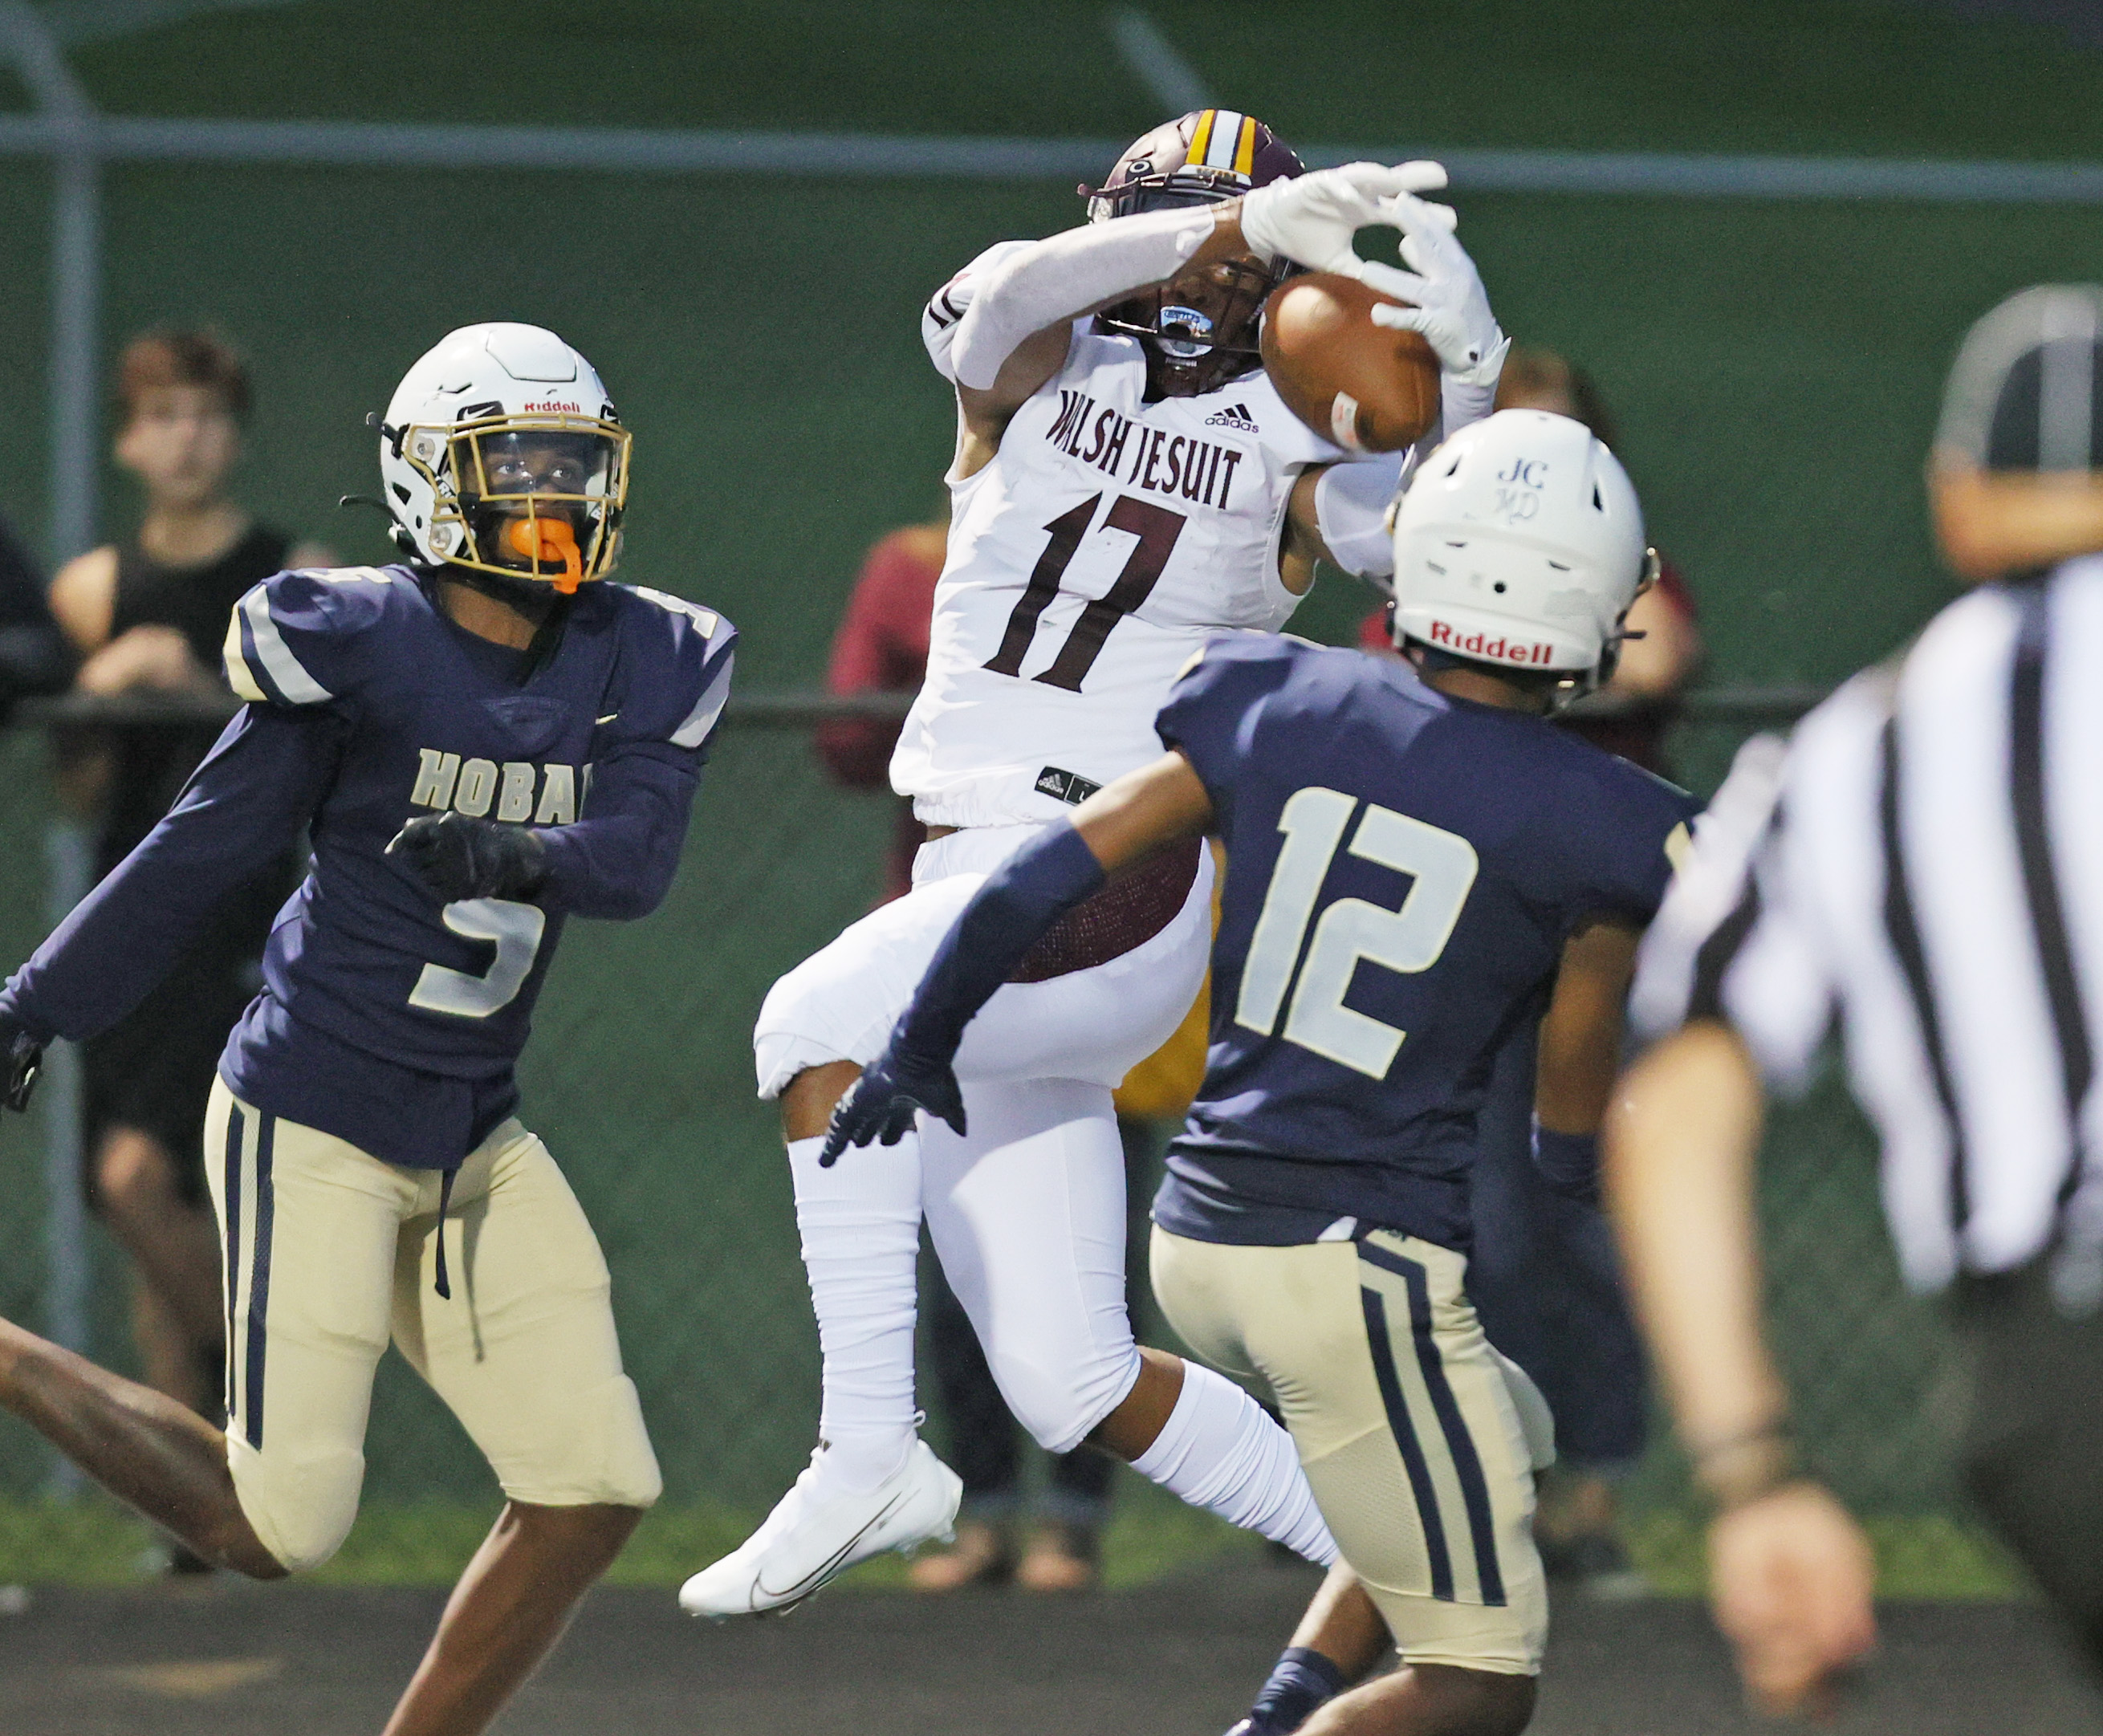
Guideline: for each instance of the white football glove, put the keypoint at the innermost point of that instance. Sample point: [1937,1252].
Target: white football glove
[1452,309]
[1311,219]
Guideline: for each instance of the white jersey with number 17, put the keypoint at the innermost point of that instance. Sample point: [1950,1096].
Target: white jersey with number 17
[1103,543]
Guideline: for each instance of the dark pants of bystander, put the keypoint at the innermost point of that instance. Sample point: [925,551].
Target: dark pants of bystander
[2034,1412]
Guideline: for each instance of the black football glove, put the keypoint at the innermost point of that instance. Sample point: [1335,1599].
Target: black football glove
[460,858]
[892,1090]
[22,1056]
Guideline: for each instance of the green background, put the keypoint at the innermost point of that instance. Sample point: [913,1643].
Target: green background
[1773,366]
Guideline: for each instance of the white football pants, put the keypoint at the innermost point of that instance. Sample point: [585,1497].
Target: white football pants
[1027,1210]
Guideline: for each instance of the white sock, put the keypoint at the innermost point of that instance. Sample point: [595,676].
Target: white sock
[860,1225]
[1220,1450]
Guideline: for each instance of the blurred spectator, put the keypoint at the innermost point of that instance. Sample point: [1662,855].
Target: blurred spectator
[882,647]
[150,617]
[1656,666]
[1544,1277]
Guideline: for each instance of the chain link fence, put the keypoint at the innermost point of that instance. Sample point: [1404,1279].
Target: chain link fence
[639,1077]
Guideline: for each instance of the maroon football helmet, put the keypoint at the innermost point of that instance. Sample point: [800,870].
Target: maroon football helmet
[1198,332]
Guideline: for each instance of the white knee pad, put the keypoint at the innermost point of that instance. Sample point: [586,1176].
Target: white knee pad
[299,1507]
[1061,1406]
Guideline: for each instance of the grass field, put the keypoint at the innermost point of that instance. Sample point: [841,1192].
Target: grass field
[93,1544]
[1774,367]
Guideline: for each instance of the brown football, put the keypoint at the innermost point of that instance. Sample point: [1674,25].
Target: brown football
[1369,388]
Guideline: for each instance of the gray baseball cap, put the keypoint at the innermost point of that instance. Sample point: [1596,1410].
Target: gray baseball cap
[2026,390]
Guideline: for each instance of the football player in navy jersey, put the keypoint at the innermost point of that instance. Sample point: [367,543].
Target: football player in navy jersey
[1418,862]
[482,743]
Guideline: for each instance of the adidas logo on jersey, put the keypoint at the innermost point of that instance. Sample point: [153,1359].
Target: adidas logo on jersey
[1234,416]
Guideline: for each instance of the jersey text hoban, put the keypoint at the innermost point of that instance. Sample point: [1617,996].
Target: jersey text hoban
[516,792]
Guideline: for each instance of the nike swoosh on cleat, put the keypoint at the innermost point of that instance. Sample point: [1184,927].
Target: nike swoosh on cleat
[815,1581]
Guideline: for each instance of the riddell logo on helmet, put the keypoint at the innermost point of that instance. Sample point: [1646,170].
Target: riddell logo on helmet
[554,407]
[1481,645]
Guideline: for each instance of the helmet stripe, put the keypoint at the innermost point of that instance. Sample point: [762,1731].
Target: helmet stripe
[1222,140]
[1201,139]
[1245,147]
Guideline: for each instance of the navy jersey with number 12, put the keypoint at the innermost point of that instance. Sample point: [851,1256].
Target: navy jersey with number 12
[1403,869]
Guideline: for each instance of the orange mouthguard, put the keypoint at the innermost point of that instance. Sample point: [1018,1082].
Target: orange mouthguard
[548,539]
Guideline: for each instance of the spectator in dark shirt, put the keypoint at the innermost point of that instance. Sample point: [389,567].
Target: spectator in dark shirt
[150,616]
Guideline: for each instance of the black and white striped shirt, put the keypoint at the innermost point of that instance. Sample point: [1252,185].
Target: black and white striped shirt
[1925,858]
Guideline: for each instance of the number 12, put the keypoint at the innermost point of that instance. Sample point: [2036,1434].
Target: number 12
[1442,865]
[1157,529]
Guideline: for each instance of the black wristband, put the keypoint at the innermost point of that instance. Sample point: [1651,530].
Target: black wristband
[1748,1466]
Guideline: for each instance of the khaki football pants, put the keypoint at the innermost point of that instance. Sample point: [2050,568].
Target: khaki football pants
[1407,1424]
[328,1251]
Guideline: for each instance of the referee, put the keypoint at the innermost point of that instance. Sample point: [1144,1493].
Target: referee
[1924,860]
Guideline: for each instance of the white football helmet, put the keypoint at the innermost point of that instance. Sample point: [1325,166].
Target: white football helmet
[1520,543]
[501,452]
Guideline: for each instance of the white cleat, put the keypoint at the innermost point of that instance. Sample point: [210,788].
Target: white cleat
[815,1533]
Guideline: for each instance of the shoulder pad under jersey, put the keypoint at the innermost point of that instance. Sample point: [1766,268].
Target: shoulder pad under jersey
[302,637]
[1208,708]
[676,664]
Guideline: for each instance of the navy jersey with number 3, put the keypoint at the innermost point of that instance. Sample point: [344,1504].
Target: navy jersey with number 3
[1403,869]
[388,1018]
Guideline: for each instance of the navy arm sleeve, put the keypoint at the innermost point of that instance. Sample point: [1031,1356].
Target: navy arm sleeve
[238,813]
[1007,916]
[617,859]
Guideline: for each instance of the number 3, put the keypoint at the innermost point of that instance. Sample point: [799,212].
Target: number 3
[513,929]
[1410,939]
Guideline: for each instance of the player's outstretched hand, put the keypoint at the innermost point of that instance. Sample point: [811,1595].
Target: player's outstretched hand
[1791,1577]
[459,858]
[892,1089]
[22,1056]
[1311,219]
[1452,309]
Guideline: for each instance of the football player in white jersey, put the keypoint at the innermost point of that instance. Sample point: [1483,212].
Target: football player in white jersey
[1127,481]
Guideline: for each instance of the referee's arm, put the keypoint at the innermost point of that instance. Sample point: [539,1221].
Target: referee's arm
[1791,1573]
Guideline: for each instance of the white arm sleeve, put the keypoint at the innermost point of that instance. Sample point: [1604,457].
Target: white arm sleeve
[945,310]
[1350,511]
[1036,284]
